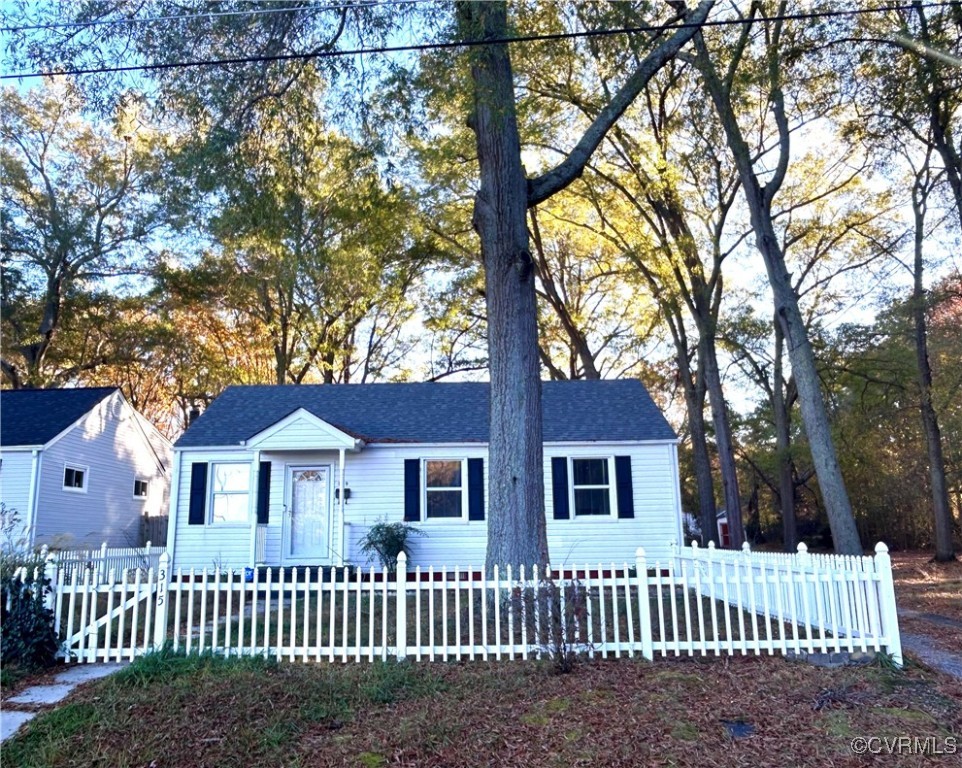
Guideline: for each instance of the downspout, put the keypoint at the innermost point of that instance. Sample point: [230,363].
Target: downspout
[172,513]
[676,488]
[255,502]
[32,497]
[340,499]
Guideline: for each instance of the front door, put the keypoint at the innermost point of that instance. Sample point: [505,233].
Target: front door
[308,527]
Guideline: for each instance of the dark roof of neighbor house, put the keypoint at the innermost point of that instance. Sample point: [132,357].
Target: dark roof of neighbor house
[591,411]
[36,416]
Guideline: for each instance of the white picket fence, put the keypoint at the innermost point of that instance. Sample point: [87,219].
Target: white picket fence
[699,602]
[106,560]
[805,602]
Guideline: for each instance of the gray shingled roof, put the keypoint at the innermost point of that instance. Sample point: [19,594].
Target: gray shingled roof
[35,416]
[431,412]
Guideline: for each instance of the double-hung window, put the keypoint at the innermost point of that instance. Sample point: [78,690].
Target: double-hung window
[444,489]
[229,493]
[591,486]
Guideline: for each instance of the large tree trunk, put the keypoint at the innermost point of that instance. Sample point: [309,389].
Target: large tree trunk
[941,511]
[814,416]
[695,402]
[783,445]
[516,525]
[723,437]
[516,528]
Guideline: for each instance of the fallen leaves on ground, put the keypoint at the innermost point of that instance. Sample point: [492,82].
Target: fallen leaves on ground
[615,712]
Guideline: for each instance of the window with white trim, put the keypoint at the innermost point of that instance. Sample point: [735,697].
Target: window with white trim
[140,488]
[74,478]
[444,489]
[591,486]
[229,493]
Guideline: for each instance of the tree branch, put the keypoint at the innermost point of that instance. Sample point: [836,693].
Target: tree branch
[571,168]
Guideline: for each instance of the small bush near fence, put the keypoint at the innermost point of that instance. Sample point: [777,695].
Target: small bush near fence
[27,637]
[387,541]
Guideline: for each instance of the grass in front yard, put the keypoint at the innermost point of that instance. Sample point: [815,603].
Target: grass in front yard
[180,712]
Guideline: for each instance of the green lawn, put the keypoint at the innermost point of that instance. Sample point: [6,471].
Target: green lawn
[168,711]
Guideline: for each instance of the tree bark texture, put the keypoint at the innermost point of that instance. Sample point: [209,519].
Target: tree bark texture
[723,436]
[783,445]
[694,387]
[516,525]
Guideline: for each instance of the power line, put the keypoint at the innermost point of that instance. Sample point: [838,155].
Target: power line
[420,47]
[212,14]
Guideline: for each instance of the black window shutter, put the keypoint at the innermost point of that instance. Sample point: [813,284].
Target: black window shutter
[412,490]
[198,493]
[626,497]
[475,489]
[264,493]
[559,487]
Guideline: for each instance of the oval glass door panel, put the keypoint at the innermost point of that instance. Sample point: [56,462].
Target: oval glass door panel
[309,514]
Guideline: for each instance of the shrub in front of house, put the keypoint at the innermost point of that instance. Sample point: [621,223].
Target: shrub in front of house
[388,540]
[27,636]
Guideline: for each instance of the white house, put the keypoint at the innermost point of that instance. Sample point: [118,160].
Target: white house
[258,478]
[80,467]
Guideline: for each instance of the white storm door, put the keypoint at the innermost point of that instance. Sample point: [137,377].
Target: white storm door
[308,527]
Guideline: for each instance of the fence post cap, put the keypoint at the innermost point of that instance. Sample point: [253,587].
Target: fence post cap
[711,544]
[694,543]
[402,557]
[802,547]
[746,547]
[44,551]
[880,548]
[640,552]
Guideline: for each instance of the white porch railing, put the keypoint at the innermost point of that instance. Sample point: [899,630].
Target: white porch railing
[699,602]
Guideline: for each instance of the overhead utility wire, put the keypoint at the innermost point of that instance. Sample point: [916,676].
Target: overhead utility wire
[473,43]
[211,14]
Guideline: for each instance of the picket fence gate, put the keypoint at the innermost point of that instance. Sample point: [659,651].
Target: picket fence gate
[699,601]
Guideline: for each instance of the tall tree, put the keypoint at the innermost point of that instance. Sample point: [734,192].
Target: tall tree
[315,247]
[516,527]
[723,74]
[76,210]
[922,188]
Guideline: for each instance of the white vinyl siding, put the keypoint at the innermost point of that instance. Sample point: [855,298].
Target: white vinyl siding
[207,546]
[376,478]
[15,472]
[110,444]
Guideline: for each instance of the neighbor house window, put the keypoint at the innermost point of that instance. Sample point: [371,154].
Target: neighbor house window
[140,489]
[75,478]
[444,488]
[591,486]
[229,493]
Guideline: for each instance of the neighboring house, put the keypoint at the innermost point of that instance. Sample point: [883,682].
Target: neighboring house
[692,527]
[80,467]
[258,476]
